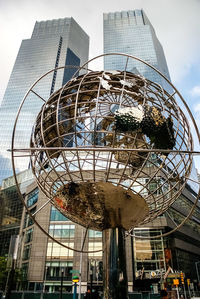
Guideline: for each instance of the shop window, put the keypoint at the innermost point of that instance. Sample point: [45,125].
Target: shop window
[54,270]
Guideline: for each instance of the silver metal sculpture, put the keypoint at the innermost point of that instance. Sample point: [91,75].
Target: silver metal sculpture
[86,168]
[111,150]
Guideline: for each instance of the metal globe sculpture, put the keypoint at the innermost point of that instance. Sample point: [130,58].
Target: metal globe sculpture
[109,150]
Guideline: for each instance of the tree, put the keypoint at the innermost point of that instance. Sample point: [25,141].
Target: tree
[3,272]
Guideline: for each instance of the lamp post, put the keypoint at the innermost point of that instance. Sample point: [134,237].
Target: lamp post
[75,279]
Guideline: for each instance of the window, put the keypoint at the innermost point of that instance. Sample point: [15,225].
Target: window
[26,252]
[54,270]
[93,246]
[32,197]
[63,231]
[149,253]
[24,271]
[29,235]
[56,215]
[27,220]
[58,251]
[94,234]
[96,270]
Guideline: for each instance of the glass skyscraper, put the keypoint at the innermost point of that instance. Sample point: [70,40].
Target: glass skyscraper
[131,32]
[53,43]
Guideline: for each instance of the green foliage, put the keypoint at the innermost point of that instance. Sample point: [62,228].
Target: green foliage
[17,274]
[3,272]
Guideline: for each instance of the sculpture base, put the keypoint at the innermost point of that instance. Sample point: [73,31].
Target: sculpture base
[114,264]
[101,205]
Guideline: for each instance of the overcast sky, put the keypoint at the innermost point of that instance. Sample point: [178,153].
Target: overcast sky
[176,22]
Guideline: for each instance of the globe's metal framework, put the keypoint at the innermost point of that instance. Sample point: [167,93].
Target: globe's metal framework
[82,115]
[75,146]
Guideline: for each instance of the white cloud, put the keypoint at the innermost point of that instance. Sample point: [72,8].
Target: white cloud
[196,108]
[196,92]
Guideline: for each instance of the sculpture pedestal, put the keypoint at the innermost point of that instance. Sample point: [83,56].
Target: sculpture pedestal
[114,264]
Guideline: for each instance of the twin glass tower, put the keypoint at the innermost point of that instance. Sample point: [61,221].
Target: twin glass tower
[62,42]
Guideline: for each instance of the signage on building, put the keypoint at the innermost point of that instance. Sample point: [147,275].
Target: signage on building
[75,279]
[176,282]
[174,275]
[157,273]
[182,278]
[153,274]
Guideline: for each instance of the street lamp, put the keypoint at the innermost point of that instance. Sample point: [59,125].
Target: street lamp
[75,279]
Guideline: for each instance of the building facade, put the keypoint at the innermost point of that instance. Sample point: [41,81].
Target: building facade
[11,208]
[131,32]
[53,43]
[43,260]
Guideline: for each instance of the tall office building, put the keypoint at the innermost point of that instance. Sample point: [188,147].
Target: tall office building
[131,32]
[53,44]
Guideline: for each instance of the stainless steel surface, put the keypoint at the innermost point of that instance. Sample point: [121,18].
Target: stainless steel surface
[62,164]
[114,264]
[102,149]
[82,114]
[100,205]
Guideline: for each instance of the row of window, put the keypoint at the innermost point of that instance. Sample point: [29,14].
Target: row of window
[58,251]
[55,270]
[62,231]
